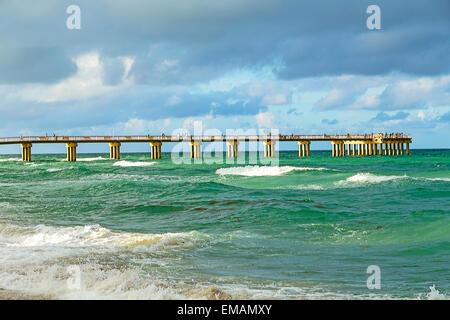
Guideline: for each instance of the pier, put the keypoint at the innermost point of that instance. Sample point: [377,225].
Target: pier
[341,145]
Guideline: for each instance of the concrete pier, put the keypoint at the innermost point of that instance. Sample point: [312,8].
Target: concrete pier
[232,149]
[304,148]
[372,146]
[26,151]
[71,151]
[269,148]
[114,150]
[155,150]
[196,147]
[341,145]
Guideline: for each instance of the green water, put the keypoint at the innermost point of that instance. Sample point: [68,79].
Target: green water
[306,229]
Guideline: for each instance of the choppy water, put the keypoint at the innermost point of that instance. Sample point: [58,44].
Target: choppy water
[308,228]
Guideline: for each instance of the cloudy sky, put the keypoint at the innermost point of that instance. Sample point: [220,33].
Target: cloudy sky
[308,67]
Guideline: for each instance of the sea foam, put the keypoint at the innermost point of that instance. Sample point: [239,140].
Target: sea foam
[28,255]
[88,236]
[10,159]
[258,171]
[91,159]
[370,178]
[124,163]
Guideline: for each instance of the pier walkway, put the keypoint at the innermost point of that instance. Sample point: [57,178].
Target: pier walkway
[341,145]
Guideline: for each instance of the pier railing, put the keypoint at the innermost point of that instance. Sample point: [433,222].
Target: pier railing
[146,138]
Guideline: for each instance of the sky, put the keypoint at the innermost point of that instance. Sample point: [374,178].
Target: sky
[152,67]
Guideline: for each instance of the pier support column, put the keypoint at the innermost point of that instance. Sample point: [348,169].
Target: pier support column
[353,149]
[380,149]
[401,148]
[71,151]
[304,148]
[333,149]
[269,149]
[196,149]
[398,148]
[155,150]
[232,149]
[114,150]
[407,148]
[26,151]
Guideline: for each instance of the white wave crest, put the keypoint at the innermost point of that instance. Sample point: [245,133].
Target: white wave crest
[258,171]
[53,169]
[438,179]
[88,236]
[91,159]
[434,294]
[125,163]
[10,159]
[370,178]
[85,281]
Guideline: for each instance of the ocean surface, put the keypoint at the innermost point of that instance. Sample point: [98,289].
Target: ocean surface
[306,229]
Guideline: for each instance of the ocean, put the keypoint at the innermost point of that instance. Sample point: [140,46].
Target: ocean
[307,228]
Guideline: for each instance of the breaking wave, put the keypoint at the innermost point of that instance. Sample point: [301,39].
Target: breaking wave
[438,179]
[91,159]
[369,178]
[125,163]
[88,236]
[434,294]
[10,159]
[258,171]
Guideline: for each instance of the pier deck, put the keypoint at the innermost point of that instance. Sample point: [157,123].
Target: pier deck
[361,144]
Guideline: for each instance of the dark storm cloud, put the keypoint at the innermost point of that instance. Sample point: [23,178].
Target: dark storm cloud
[113,108]
[196,40]
[34,64]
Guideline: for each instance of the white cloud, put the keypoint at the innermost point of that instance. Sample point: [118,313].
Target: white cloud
[275,99]
[264,119]
[136,125]
[334,97]
[86,83]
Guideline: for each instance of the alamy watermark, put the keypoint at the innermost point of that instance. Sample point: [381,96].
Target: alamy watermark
[373,22]
[73,22]
[250,146]
[374,280]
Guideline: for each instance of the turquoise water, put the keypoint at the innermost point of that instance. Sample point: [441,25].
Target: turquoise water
[307,228]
